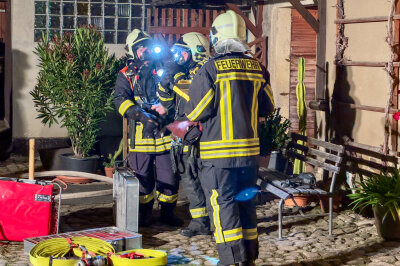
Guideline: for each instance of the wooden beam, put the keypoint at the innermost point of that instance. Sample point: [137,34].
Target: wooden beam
[177,30]
[305,14]
[365,107]
[366,63]
[365,20]
[257,32]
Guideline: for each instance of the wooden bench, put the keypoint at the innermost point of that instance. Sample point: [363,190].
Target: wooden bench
[317,153]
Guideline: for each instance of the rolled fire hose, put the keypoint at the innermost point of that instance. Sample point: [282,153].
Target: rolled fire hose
[53,252]
[56,249]
[150,258]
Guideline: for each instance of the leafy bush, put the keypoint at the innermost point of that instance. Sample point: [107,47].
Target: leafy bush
[379,190]
[75,84]
[110,161]
[273,132]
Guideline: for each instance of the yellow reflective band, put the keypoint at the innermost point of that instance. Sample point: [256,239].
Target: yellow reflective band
[158,141]
[223,110]
[181,93]
[202,105]
[230,153]
[250,234]
[124,106]
[137,98]
[177,75]
[268,90]
[151,149]
[229,110]
[219,237]
[233,234]
[233,141]
[254,108]
[198,213]
[165,99]
[184,81]
[237,63]
[166,198]
[146,198]
[161,88]
[239,76]
[225,145]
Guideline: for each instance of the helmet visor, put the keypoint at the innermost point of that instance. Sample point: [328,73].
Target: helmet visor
[177,53]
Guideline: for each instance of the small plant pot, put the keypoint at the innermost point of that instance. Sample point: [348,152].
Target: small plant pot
[109,171]
[301,200]
[264,161]
[336,204]
[277,161]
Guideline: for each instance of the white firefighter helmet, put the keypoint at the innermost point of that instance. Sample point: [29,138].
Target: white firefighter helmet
[228,25]
[134,38]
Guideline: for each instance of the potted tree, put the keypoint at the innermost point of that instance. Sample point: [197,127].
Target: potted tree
[382,193]
[273,137]
[74,89]
[109,163]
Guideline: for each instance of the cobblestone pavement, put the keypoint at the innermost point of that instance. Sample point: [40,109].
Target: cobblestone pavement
[354,242]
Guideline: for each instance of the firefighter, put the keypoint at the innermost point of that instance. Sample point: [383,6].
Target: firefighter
[135,95]
[190,52]
[227,96]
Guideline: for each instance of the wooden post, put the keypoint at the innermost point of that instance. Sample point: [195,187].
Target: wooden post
[124,138]
[31,159]
[395,103]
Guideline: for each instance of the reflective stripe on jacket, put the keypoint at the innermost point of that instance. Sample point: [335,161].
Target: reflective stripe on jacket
[228,95]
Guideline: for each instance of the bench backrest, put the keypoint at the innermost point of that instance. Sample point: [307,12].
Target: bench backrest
[309,150]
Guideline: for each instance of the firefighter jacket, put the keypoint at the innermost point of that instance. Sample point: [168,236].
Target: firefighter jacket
[136,85]
[228,95]
[171,97]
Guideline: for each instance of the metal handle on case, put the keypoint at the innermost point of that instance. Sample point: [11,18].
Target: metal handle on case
[59,207]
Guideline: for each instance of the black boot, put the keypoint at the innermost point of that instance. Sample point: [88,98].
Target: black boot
[145,214]
[197,226]
[168,215]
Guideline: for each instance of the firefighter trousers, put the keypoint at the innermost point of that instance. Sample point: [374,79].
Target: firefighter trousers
[154,170]
[235,222]
[195,194]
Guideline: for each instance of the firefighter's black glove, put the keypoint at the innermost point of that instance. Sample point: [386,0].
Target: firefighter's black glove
[149,121]
[192,135]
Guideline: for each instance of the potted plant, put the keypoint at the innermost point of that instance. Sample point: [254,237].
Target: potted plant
[273,137]
[74,88]
[109,163]
[382,193]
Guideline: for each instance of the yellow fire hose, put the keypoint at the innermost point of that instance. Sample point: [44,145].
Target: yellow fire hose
[54,252]
[151,258]
[56,249]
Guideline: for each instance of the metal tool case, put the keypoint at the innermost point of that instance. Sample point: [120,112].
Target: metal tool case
[126,199]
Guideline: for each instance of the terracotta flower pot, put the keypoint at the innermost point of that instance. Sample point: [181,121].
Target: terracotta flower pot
[324,203]
[264,161]
[109,171]
[301,200]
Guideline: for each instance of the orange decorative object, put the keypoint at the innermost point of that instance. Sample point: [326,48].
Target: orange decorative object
[301,200]
[109,171]
[74,179]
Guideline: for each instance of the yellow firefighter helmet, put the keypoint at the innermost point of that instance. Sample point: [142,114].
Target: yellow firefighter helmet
[228,25]
[134,38]
[195,43]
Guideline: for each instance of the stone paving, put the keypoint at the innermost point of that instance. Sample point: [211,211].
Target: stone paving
[306,241]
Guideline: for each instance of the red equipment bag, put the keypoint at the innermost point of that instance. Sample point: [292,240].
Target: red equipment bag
[26,209]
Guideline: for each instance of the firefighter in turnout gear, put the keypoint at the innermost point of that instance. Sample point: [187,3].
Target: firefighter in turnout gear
[149,144]
[227,96]
[190,52]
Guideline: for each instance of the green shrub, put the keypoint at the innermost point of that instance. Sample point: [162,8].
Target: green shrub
[75,84]
[273,132]
[379,190]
